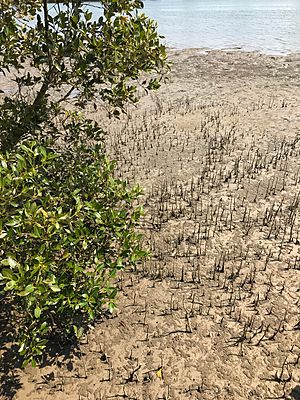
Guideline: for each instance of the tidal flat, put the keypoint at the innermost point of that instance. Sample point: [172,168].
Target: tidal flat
[215,313]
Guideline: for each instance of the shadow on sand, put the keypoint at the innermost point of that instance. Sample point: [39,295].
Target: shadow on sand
[10,360]
[295,393]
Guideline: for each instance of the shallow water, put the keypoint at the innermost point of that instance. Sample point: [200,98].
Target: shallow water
[269,26]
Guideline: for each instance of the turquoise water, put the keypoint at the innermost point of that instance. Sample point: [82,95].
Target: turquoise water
[269,26]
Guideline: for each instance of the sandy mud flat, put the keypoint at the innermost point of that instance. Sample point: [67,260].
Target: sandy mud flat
[215,314]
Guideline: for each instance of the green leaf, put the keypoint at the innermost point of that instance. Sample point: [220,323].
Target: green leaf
[9,261]
[57,66]
[10,285]
[26,361]
[111,307]
[44,327]
[78,332]
[37,312]
[8,274]
[22,349]
[54,288]
[4,164]
[28,289]
[113,293]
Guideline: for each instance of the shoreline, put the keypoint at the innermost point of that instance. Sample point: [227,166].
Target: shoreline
[223,56]
[235,49]
[202,66]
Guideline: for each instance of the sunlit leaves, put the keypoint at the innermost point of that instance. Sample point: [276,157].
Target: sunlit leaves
[98,59]
[70,227]
[67,226]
